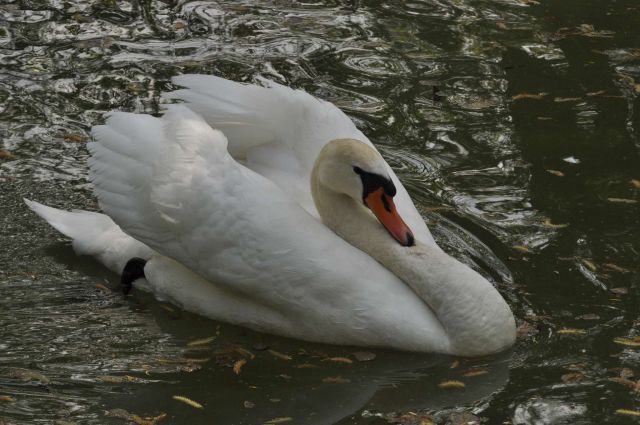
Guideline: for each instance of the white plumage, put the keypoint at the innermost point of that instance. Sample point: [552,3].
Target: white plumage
[216,195]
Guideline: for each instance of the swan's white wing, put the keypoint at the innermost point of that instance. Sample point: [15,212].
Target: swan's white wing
[278,132]
[171,184]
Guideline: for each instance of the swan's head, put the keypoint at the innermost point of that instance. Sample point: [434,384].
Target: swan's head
[352,168]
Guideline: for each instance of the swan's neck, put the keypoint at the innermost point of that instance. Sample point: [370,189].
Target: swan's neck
[475,317]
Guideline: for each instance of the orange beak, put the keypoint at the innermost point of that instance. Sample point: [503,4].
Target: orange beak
[384,209]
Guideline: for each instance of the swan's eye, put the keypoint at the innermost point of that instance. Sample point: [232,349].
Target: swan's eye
[372,182]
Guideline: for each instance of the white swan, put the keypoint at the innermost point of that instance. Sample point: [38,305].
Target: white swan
[274,228]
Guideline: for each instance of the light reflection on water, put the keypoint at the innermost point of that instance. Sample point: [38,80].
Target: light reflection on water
[475,103]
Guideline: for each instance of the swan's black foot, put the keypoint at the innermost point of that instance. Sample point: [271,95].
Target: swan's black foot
[133,270]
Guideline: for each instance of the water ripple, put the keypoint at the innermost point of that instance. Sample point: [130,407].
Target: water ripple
[461,96]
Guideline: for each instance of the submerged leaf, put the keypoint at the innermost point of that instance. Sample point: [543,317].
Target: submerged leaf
[188,367]
[136,380]
[569,378]
[201,341]
[628,382]
[556,173]
[111,379]
[620,291]
[138,420]
[566,99]
[279,355]
[548,223]
[475,372]
[451,385]
[588,264]
[280,420]
[305,366]
[615,268]
[123,414]
[622,200]
[536,96]
[148,421]
[336,380]
[101,287]
[627,412]
[119,413]
[521,248]
[244,352]
[571,331]
[237,366]
[188,401]
[629,342]
[338,360]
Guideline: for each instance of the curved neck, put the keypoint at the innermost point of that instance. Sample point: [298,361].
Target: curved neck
[475,317]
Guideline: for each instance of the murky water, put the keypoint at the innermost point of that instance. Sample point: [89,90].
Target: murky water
[513,124]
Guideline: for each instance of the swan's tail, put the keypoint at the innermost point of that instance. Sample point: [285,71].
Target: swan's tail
[94,234]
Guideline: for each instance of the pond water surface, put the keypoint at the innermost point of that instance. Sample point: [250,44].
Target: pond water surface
[512,123]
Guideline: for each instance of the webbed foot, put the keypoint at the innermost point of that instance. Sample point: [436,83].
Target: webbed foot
[133,270]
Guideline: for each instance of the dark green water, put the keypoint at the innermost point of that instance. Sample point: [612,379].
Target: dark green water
[513,123]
